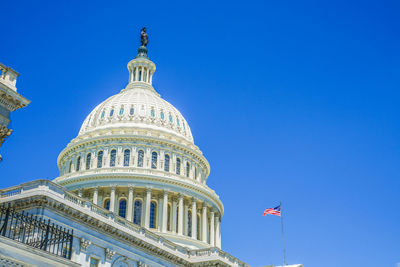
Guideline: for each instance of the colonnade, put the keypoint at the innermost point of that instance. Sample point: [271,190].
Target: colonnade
[160,210]
[140,74]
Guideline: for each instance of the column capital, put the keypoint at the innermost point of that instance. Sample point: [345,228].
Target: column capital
[166,192]
[113,187]
[204,205]
[96,188]
[180,196]
[148,189]
[131,188]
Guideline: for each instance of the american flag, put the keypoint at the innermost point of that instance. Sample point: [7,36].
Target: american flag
[275,211]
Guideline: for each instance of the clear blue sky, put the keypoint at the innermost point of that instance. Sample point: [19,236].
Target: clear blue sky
[293,101]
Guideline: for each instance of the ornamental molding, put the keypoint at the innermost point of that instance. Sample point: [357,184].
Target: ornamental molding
[85,244]
[11,99]
[4,133]
[109,253]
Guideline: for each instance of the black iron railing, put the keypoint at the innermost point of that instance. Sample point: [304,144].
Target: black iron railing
[36,232]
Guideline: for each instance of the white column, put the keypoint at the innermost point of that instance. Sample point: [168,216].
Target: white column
[129,216]
[194,219]
[80,193]
[212,232]
[165,210]
[160,215]
[180,215]
[112,199]
[204,227]
[185,219]
[151,77]
[95,195]
[148,74]
[217,232]
[173,217]
[147,208]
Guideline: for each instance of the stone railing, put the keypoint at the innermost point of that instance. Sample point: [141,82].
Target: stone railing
[147,235]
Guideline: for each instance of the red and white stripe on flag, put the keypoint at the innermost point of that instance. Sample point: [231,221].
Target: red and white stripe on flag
[272,212]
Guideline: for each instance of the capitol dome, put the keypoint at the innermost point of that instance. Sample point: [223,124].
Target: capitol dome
[135,157]
[137,107]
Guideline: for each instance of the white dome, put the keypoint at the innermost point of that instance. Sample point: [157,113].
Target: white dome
[138,145]
[137,106]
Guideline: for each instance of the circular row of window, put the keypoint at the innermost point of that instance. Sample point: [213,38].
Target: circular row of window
[152,114]
[140,161]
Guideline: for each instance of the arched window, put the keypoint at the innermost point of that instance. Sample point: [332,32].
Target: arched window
[113,155]
[154,160]
[166,163]
[140,158]
[152,113]
[162,115]
[177,121]
[100,159]
[170,118]
[140,75]
[70,167]
[178,166]
[121,111]
[169,218]
[111,112]
[189,223]
[153,210]
[78,163]
[131,111]
[122,208]
[127,156]
[137,215]
[88,158]
[187,169]
[107,204]
[195,173]
[103,114]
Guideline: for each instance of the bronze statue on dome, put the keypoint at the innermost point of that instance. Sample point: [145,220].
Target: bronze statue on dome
[143,37]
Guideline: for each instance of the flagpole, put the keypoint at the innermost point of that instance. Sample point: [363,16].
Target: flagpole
[283,237]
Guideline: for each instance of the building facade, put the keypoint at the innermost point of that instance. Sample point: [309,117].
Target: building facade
[10,100]
[132,191]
